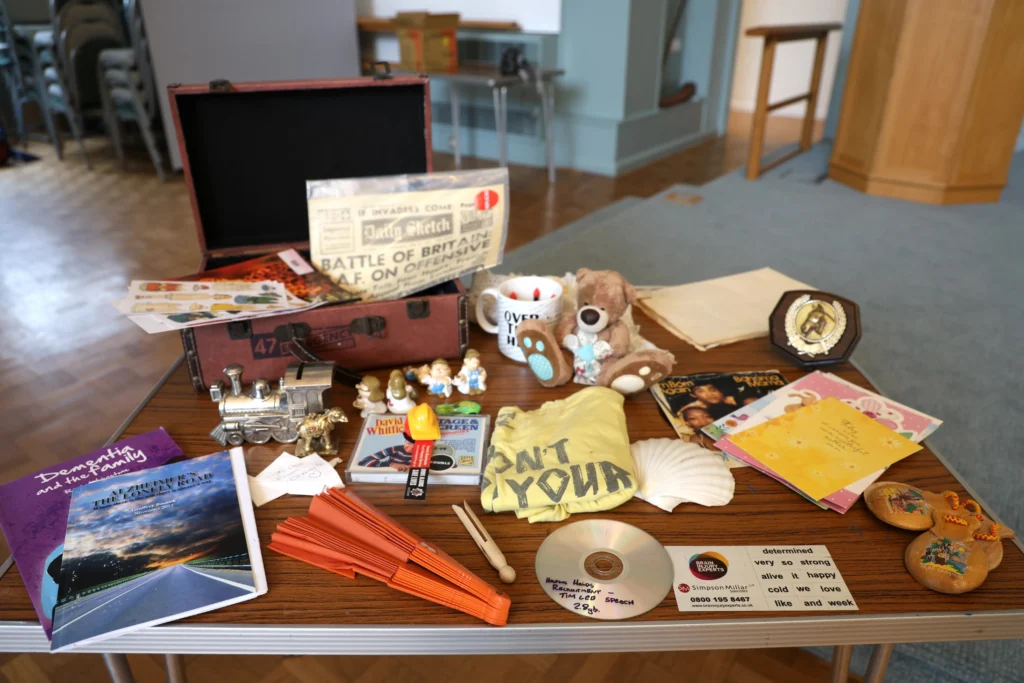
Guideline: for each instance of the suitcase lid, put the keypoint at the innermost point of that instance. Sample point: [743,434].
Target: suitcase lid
[247,150]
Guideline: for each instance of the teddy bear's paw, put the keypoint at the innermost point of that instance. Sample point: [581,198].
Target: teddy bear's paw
[636,372]
[542,353]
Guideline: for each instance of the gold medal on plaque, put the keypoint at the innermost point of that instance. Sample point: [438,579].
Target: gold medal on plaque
[813,326]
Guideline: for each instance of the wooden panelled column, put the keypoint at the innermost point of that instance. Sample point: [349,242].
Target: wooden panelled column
[933,101]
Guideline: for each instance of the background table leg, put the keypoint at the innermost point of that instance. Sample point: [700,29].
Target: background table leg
[503,135]
[764,84]
[117,667]
[878,664]
[453,91]
[841,663]
[547,102]
[175,665]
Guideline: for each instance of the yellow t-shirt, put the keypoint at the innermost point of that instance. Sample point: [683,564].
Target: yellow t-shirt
[568,456]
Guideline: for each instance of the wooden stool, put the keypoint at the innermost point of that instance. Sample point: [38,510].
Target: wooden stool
[772,36]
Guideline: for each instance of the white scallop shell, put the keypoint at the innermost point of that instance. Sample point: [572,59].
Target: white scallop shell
[670,472]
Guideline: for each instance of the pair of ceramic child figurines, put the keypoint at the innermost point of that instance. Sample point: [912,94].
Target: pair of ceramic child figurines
[400,398]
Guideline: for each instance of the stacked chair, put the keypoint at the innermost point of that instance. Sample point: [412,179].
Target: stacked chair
[128,89]
[18,74]
[66,59]
[95,63]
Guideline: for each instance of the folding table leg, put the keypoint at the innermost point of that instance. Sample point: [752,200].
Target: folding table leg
[879,663]
[175,665]
[841,663]
[117,667]
[453,92]
[500,94]
[504,126]
[547,101]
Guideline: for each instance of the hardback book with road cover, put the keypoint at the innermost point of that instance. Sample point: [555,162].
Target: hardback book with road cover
[149,547]
[34,509]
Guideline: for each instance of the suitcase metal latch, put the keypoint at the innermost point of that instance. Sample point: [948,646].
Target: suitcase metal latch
[239,329]
[372,325]
[417,309]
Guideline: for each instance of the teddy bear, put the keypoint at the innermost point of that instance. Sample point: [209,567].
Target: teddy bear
[598,337]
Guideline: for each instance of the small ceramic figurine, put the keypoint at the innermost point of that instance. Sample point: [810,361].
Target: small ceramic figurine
[960,544]
[472,379]
[587,353]
[315,433]
[371,398]
[413,373]
[439,380]
[400,396]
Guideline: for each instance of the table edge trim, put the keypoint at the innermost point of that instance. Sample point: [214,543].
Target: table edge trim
[623,636]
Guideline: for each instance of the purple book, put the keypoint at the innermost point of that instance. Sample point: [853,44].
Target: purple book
[34,509]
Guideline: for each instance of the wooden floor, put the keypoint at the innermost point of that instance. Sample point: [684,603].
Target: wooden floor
[720,666]
[71,370]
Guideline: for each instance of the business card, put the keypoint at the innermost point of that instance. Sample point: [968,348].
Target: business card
[773,578]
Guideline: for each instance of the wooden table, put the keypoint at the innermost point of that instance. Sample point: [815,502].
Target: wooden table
[485,75]
[773,35]
[310,611]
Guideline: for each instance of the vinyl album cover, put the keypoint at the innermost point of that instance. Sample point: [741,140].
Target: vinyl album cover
[693,402]
[149,547]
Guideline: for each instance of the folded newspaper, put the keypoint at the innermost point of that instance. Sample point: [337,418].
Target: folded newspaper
[388,237]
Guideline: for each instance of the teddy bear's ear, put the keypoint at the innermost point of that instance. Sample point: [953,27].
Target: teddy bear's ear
[630,291]
[582,273]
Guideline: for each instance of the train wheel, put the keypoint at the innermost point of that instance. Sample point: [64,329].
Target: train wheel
[235,439]
[255,434]
[285,434]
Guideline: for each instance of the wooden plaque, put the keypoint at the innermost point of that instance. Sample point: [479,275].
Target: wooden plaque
[815,328]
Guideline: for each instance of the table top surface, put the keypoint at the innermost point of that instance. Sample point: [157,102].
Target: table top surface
[868,553]
[478,74]
[793,31]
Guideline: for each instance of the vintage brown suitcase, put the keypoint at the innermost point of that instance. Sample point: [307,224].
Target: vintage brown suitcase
[247,150]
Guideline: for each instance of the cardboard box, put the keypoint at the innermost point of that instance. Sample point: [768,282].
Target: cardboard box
[428,42]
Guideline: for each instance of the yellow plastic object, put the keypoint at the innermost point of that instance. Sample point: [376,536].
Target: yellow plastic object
[423,423]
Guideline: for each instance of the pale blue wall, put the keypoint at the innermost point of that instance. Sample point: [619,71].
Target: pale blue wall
[607,114]
[839,84]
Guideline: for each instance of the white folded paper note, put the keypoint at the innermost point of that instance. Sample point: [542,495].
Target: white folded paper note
[720,311]
[298,476]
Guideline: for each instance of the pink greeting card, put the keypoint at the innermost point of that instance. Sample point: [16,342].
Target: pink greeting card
[905,421]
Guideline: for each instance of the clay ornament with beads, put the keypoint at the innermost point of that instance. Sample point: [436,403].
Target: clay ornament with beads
[960,544]
[598,338]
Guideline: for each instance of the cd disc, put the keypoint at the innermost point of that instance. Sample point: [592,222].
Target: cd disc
[603,569]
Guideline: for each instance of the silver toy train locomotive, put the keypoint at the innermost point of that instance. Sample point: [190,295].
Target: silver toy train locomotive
[262,414]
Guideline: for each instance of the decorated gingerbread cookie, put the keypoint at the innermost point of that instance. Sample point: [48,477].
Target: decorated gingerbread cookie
[961,544]
[901,505]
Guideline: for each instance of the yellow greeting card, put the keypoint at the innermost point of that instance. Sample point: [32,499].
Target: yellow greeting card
[824,447]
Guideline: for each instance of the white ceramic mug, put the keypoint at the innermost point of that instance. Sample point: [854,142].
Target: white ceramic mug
[518,299]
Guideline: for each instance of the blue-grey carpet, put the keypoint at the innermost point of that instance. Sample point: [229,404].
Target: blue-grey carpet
[941,291]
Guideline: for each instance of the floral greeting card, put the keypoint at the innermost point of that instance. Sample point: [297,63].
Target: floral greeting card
[823,447]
